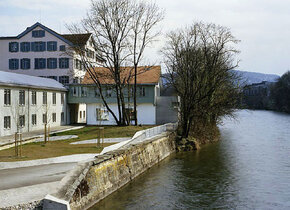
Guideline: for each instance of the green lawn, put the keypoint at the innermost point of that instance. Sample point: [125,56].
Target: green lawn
[38,150]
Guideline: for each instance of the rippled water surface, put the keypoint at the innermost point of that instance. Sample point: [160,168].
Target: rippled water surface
[248,169]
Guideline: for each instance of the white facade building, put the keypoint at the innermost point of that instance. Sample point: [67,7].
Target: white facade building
[28,102]
[40,51]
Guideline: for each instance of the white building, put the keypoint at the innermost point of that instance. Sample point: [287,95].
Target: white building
[40,51]
[148,89]
[28,102]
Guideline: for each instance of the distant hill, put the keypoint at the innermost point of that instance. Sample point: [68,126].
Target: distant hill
[254,77]
[246,77]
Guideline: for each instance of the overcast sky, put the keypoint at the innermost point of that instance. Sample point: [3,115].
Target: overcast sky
[263,26]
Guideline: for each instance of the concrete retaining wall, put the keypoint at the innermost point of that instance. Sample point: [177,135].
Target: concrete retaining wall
[92,181]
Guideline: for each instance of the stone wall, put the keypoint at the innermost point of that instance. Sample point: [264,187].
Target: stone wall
[92,181]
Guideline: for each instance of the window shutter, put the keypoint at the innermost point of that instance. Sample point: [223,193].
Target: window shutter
[43,46]
[22,63]
[22,46]
[17,64]
[10,48]
[10,63]
[33,46]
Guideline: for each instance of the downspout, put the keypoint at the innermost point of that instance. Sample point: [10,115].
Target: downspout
[28,104]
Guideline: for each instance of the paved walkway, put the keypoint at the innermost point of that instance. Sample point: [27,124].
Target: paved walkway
[8,141]
[106,140]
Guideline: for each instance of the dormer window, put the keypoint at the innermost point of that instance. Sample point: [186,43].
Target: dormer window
[38,33]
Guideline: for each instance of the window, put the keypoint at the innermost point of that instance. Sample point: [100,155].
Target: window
[78,64]
[7,97]
[52,63]
[76,80]
[44,98]
[102,114]
[84,114]
[142,91]
[33,98]
[62,48]
[53,98]
[38,46]
[62,117]
[25,63]
[130,113]
[25,46]
[13,46]
[62,98]
[64,79]
[21,97]
[13,64]
[97,92]
[44,118]
[74,91]
[108,92]
[83,91]
[63,63]
[38,33]
[39,63]
[7,122]
[81,114]
[53,117]
[21,120]
[51,46]
[90,54]
[33,119]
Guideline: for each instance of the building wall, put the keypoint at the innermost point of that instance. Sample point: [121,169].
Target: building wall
[145,114]
[28,109]
[6,55]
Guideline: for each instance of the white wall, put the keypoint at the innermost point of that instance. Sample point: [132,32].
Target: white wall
[146,114]
[39,109]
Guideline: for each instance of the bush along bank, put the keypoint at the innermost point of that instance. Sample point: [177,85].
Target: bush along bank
[200,135]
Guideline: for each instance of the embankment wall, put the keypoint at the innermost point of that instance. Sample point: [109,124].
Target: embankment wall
[92,181]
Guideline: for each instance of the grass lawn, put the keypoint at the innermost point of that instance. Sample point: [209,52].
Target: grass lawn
[38,150]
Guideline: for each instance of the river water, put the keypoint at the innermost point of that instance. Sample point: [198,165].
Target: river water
[248,169]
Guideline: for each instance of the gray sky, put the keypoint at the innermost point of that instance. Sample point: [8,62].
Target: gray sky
[263,26]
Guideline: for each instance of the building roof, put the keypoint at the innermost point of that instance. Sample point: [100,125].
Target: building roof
[71,39]
[145,75]
[77,39]
[22,80]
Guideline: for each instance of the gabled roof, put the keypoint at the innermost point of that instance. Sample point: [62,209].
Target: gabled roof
[22,80]
[71,39]
[145,75]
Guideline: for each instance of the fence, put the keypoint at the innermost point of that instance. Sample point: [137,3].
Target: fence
[141,136]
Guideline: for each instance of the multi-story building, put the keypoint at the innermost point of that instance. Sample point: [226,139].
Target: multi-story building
[27,103]
[40,51]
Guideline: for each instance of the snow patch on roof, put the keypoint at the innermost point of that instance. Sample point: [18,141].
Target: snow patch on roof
[26,80]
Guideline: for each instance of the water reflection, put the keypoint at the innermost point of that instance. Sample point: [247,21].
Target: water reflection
[248,169]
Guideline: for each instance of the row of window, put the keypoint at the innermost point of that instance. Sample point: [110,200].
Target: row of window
[35,46]
[7,97]
[21,120]
[39,63]
[107,93]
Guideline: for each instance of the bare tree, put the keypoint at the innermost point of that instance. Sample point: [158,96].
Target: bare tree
[121,31]
[146,16]
[199,61]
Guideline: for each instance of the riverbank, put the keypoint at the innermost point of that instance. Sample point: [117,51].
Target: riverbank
[247,169]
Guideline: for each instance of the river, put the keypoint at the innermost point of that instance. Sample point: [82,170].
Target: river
[248,169]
